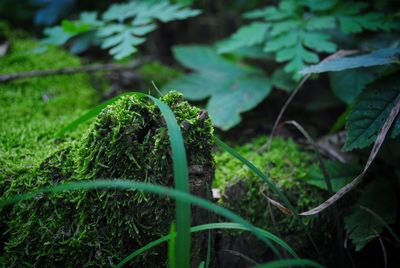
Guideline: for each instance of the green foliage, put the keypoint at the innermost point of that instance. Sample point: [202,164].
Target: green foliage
[232,88]
[362,226]
[294,30]
[370,111]
[120,29]
[128,140]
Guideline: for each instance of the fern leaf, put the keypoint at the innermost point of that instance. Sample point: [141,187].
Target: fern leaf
[295,29]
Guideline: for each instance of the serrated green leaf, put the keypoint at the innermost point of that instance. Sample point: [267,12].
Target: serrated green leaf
[379,57]
[249,35]
[380,197]
[347,85]
[233,88]
[123,44]
[370,110]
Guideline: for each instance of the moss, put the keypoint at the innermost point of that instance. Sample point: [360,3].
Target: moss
[32,110]
[98,228]
[244,192]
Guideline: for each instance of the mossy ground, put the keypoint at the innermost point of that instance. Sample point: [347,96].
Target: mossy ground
[244,192]
[33,110]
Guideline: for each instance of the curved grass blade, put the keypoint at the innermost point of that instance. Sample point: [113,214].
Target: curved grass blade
[146,187]
[181,174]
[289,263]
[205,227]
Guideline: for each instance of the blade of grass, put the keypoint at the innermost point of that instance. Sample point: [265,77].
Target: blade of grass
[290,262]
[150,188]
[205,227]
[181,174]
[171,247]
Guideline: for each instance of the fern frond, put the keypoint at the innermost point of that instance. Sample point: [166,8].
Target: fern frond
[122,27]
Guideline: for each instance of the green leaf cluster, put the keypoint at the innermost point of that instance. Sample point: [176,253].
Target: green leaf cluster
[296,31]
[232,88]
[120,29]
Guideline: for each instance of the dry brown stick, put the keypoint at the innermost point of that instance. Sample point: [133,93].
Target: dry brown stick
[72,70]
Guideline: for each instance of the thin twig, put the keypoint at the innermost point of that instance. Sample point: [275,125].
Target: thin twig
[72,70]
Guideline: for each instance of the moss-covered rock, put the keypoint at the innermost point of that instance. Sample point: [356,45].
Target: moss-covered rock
[245,193]
[98,228]
[127,140]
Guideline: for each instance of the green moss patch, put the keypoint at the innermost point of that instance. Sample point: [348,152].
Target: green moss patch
[245,193]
